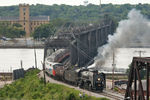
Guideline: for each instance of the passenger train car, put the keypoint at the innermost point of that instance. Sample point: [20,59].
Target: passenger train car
[51,66]
[51,62]
[84,78]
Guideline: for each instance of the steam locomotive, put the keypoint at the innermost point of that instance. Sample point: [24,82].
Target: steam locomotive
[84,78]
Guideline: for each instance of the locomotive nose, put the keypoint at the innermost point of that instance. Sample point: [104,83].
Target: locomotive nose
[99,79]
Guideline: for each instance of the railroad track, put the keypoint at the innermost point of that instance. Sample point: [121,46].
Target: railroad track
[113,96]
[107,94]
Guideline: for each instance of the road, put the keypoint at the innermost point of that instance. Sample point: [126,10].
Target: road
[107,94]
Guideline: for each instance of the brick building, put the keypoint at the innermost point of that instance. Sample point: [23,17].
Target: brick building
[29,23]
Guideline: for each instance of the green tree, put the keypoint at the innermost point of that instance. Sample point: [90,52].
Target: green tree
[142,71]
[11,31]
[17,25]
[87,14]
[60,22]
[44,31]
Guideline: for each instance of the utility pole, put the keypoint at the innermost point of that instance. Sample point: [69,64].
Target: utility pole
[100,3]
[35,56]
[140,52]
[43,65]
[21,64]
[113,69]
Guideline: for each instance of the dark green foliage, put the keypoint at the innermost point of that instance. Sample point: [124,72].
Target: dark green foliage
[59,22]
[32,88]
[44,31]
[71,96]
[66,15]
[17,25]
[90,13]
[11,31]
[142,72]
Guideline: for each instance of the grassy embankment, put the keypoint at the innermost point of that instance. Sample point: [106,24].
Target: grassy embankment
[31,88]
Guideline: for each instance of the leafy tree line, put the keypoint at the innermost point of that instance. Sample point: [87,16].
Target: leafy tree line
[11,31]
[46,30]
[89,13]
[65,15]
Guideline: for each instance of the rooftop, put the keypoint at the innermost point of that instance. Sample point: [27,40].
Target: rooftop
[8,18]
[39,18]
[32,18]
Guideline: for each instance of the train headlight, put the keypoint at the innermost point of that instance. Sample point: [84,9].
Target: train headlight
[99,79]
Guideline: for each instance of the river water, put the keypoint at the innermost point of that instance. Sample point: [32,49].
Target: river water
[124,56]
[10,58]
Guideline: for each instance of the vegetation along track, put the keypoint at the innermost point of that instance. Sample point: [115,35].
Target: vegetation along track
[107,94]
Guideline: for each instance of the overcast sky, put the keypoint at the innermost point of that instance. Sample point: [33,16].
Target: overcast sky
[69,2]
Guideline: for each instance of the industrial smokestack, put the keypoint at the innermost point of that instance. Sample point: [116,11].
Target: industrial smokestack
[135,28]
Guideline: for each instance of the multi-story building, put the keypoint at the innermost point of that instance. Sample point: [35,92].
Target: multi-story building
[29,23]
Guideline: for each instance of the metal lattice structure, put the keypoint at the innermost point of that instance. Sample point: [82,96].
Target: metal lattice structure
[82,41]
[137,93]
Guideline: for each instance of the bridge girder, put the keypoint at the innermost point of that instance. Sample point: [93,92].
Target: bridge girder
[83,43]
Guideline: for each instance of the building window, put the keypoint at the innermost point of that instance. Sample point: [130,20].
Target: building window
[24,13]
[24,9]
[34,23]
[24,18]
[24,23]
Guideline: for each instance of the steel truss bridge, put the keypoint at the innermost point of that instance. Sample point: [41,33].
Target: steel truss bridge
[82,41]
